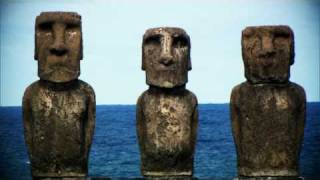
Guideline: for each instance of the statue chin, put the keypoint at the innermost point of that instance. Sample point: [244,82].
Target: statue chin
[167,80]
[166,84]
[59,76]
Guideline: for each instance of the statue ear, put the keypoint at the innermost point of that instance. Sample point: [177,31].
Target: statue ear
[143,66]
[189,57]
[292,53]
[81,48]
[35,45]
[35,54]
[292,58]
[189,64]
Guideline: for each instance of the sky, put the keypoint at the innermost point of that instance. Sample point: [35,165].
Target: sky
[112,40]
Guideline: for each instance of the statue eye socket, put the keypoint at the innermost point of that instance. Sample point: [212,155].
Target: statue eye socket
[155,40]
[47,26]
[180,42]
[72,26]
[282,34]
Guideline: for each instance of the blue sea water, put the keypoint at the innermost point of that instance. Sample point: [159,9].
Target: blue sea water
[115,152]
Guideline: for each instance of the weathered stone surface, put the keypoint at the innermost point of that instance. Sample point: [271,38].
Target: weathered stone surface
[167,115]
[268,123]
[166,57]
[59,109]
[268,111]
[58,46]
[268,52]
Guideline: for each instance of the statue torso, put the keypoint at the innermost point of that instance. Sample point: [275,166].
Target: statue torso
[167,127]
[268,118]
[58,119]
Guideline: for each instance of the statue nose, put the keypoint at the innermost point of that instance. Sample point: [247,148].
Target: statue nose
[267,47]
[166,57]
[58,49]
[267,53]
[166,60]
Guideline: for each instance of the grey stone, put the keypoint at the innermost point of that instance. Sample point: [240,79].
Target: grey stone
[167,115]
[58,109]
[268,111]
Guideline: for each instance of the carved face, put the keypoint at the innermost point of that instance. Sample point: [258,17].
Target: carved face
[268,52]
[166,57]
[58,46]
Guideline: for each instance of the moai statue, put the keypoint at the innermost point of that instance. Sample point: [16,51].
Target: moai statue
[268,111]
[167,115]
[58,109]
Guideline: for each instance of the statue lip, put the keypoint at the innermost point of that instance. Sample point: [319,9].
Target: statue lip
[57,58]
[60,68]
[266,61]
[162,67]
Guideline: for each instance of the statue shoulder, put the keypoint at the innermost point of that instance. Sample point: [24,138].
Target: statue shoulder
[192,97]
[31,89]
[298,91]
[235,92]
[86,88]
[142,97]
[297,87]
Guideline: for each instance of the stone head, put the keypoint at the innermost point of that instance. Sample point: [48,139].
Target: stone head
[58,46]
[267,52]
[166,56]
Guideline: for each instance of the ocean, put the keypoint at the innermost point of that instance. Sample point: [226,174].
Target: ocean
[114,151]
